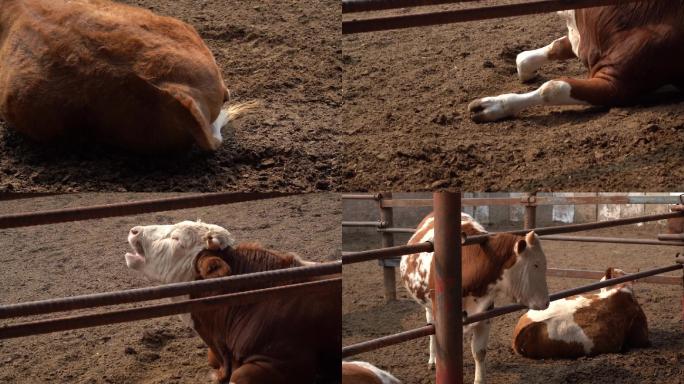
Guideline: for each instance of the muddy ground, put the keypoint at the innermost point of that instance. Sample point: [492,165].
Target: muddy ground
[366,316]
[285,54]
[87,257]
[407,126]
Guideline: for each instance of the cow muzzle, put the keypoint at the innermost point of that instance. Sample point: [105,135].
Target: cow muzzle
[135,260]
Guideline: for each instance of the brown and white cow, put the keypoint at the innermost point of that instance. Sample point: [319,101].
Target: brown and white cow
[360,372]
[585,325]
[630,50]
[279,340]
[505,267]
[109,72]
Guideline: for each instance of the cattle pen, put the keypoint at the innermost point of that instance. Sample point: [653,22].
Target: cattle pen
[450,353]
[235,290]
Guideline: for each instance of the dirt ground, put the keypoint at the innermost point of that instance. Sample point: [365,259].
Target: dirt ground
[407,126]
[87,257]
[366,316]
[285,54]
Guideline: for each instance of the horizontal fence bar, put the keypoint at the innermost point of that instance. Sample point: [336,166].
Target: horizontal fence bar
[397,230]
[539,201]
[595,275]
[613,240]
[573,291]
[386,253]
[134,314]
[478,239]
[360,196]
[376,224]
[429,329]
[130,208]
[387,341]
[350,6]
[456,16]
[676,237]
[224,284]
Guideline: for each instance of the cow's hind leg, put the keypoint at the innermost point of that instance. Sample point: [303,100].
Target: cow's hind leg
[478,345]
[528,62]
[566,91]
[433,341]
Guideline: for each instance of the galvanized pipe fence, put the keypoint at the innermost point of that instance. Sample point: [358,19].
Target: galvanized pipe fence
[254,287]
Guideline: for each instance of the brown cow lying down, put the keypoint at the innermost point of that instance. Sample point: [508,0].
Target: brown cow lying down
[109,72]
[279,340]
[584,325]
[630,49]
[360,372]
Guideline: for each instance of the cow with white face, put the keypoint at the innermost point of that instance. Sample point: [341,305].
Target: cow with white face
[629,50]
[504,268]
[584,325]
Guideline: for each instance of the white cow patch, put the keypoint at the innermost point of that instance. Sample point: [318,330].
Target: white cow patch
[385,377]
[573,33]
[560,323]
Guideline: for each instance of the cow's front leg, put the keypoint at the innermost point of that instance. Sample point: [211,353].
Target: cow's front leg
[433,340]
[478,345]
[554,92]
[528,62]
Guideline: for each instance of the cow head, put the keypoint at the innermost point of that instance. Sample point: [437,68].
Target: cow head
[178,252]
[526,279]
[612,273]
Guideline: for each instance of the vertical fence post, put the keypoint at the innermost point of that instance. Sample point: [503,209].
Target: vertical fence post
[389,276]
[446,300]
[530,220]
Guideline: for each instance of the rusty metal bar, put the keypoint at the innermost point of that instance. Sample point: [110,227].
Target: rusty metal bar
[385,253]
[615,240]
[374,224]
[540,200]
[360,196]
[478,239]
[388,272]
[674,237]
[571,292]
[134,314]
[447,297]
[397,230]
[595,275]
[350,6]
[224,284]
[129,208]
[530,218]
[472,14]
[386,341]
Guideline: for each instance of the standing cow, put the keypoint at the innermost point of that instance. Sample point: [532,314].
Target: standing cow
[109,72]
[506,267]
[585,325]
[630,49]
[278,340]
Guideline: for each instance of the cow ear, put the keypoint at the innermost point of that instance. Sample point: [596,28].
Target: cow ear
[609,273]
[210,267]
[520,246]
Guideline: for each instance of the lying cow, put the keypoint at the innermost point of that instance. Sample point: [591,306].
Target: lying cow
[110,72]
[278,340]
[359,372]
[630,49]
[585,325]
[506,266]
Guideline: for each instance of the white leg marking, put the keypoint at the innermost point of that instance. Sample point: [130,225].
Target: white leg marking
[528,62]
[573,32]
[218,124]
[554,92]
[478,346]
[433,341]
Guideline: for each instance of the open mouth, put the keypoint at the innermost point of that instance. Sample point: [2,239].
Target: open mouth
[137,259]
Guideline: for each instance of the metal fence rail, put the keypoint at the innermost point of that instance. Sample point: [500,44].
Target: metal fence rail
[386,253]
[126,315]
[350,6]
[471,14]
[224,284]
[129,208]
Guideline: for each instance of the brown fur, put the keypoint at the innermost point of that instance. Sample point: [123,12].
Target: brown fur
[353,374]
[279,340]
[676,225]
[110,72]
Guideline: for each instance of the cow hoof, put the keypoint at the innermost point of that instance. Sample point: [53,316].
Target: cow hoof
[431,365]
[487,109]
[527,65]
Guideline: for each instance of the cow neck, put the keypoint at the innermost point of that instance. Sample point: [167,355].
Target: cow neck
[252,257]
[484,265]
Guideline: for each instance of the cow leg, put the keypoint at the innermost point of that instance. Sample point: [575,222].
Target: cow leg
[260,373]
[478,345]
[433,341]
[528,62]
[600,90]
